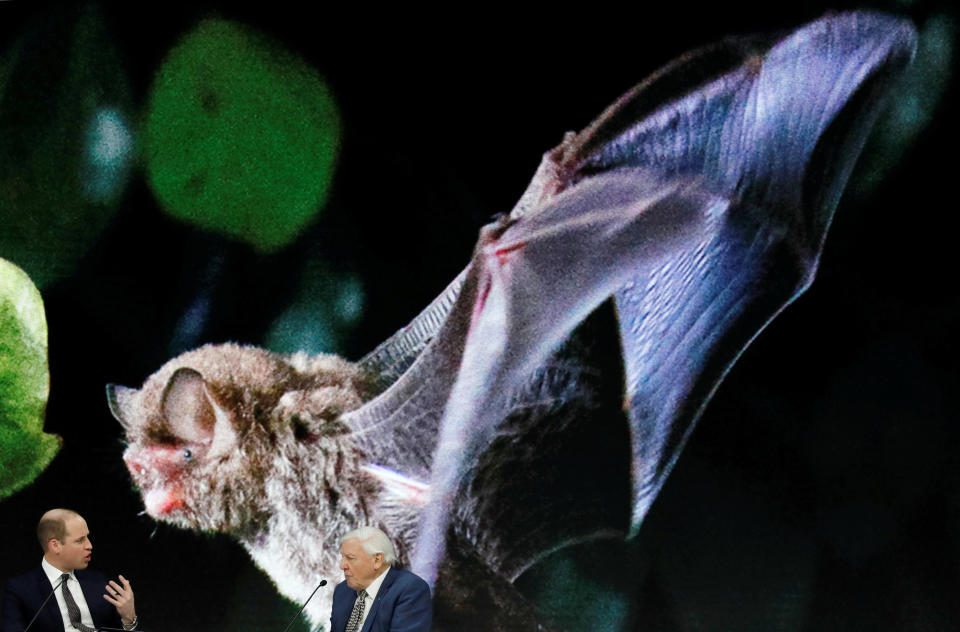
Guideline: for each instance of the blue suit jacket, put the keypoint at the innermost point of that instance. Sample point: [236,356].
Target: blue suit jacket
[23,595]
[402,604]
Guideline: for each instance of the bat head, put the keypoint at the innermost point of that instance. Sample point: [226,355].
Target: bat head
[221,437]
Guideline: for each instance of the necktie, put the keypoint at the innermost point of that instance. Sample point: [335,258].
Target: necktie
[354,623]
[73,611]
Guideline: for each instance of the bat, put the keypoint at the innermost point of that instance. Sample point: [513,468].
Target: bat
[597,317]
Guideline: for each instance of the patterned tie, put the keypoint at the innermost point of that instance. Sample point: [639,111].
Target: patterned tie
[73,611]
[354,623]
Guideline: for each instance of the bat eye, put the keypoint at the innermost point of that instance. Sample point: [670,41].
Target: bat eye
[187,454]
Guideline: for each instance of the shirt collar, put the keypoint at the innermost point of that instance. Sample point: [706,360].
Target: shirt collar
[52,572]
[374,586]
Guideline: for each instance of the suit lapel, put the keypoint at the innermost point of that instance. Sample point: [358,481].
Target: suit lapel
[343,612]
[50,617]
[381,594]
[91,593]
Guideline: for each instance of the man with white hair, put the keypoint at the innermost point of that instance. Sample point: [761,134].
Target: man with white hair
[375,596]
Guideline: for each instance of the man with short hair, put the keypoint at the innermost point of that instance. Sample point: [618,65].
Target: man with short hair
[375,596]
[76,602]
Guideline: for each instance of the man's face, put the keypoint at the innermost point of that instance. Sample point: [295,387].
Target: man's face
[359,567]
[76,549]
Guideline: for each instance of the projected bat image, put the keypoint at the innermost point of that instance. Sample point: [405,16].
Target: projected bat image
[596,318]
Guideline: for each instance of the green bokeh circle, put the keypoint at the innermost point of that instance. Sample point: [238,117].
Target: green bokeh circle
[241,136]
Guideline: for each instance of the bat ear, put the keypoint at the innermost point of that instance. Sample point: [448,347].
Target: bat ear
[192,413]
[119,399]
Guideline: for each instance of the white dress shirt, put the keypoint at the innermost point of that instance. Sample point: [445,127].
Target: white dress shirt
[73,585]
[372,591]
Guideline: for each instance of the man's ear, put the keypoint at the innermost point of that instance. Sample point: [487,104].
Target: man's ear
[54,545]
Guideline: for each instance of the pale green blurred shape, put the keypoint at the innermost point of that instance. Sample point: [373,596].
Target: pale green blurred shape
[66,147]
[25,450]
[327,306]
[913,103]
[572,595]
[241,136]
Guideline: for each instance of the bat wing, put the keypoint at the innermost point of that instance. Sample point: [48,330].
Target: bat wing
[779,133]
[702,210]
[699,203]
[393,357]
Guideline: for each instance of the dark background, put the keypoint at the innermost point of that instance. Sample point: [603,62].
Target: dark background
[820,490]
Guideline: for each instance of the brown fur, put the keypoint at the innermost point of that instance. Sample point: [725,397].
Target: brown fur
[269,462]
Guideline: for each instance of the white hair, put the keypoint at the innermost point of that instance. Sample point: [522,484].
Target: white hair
[373,541]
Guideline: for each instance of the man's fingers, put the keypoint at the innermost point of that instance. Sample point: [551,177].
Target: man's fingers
[116,590]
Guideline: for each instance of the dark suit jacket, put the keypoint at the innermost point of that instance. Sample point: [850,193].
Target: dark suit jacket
[23,595]
[402,605]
